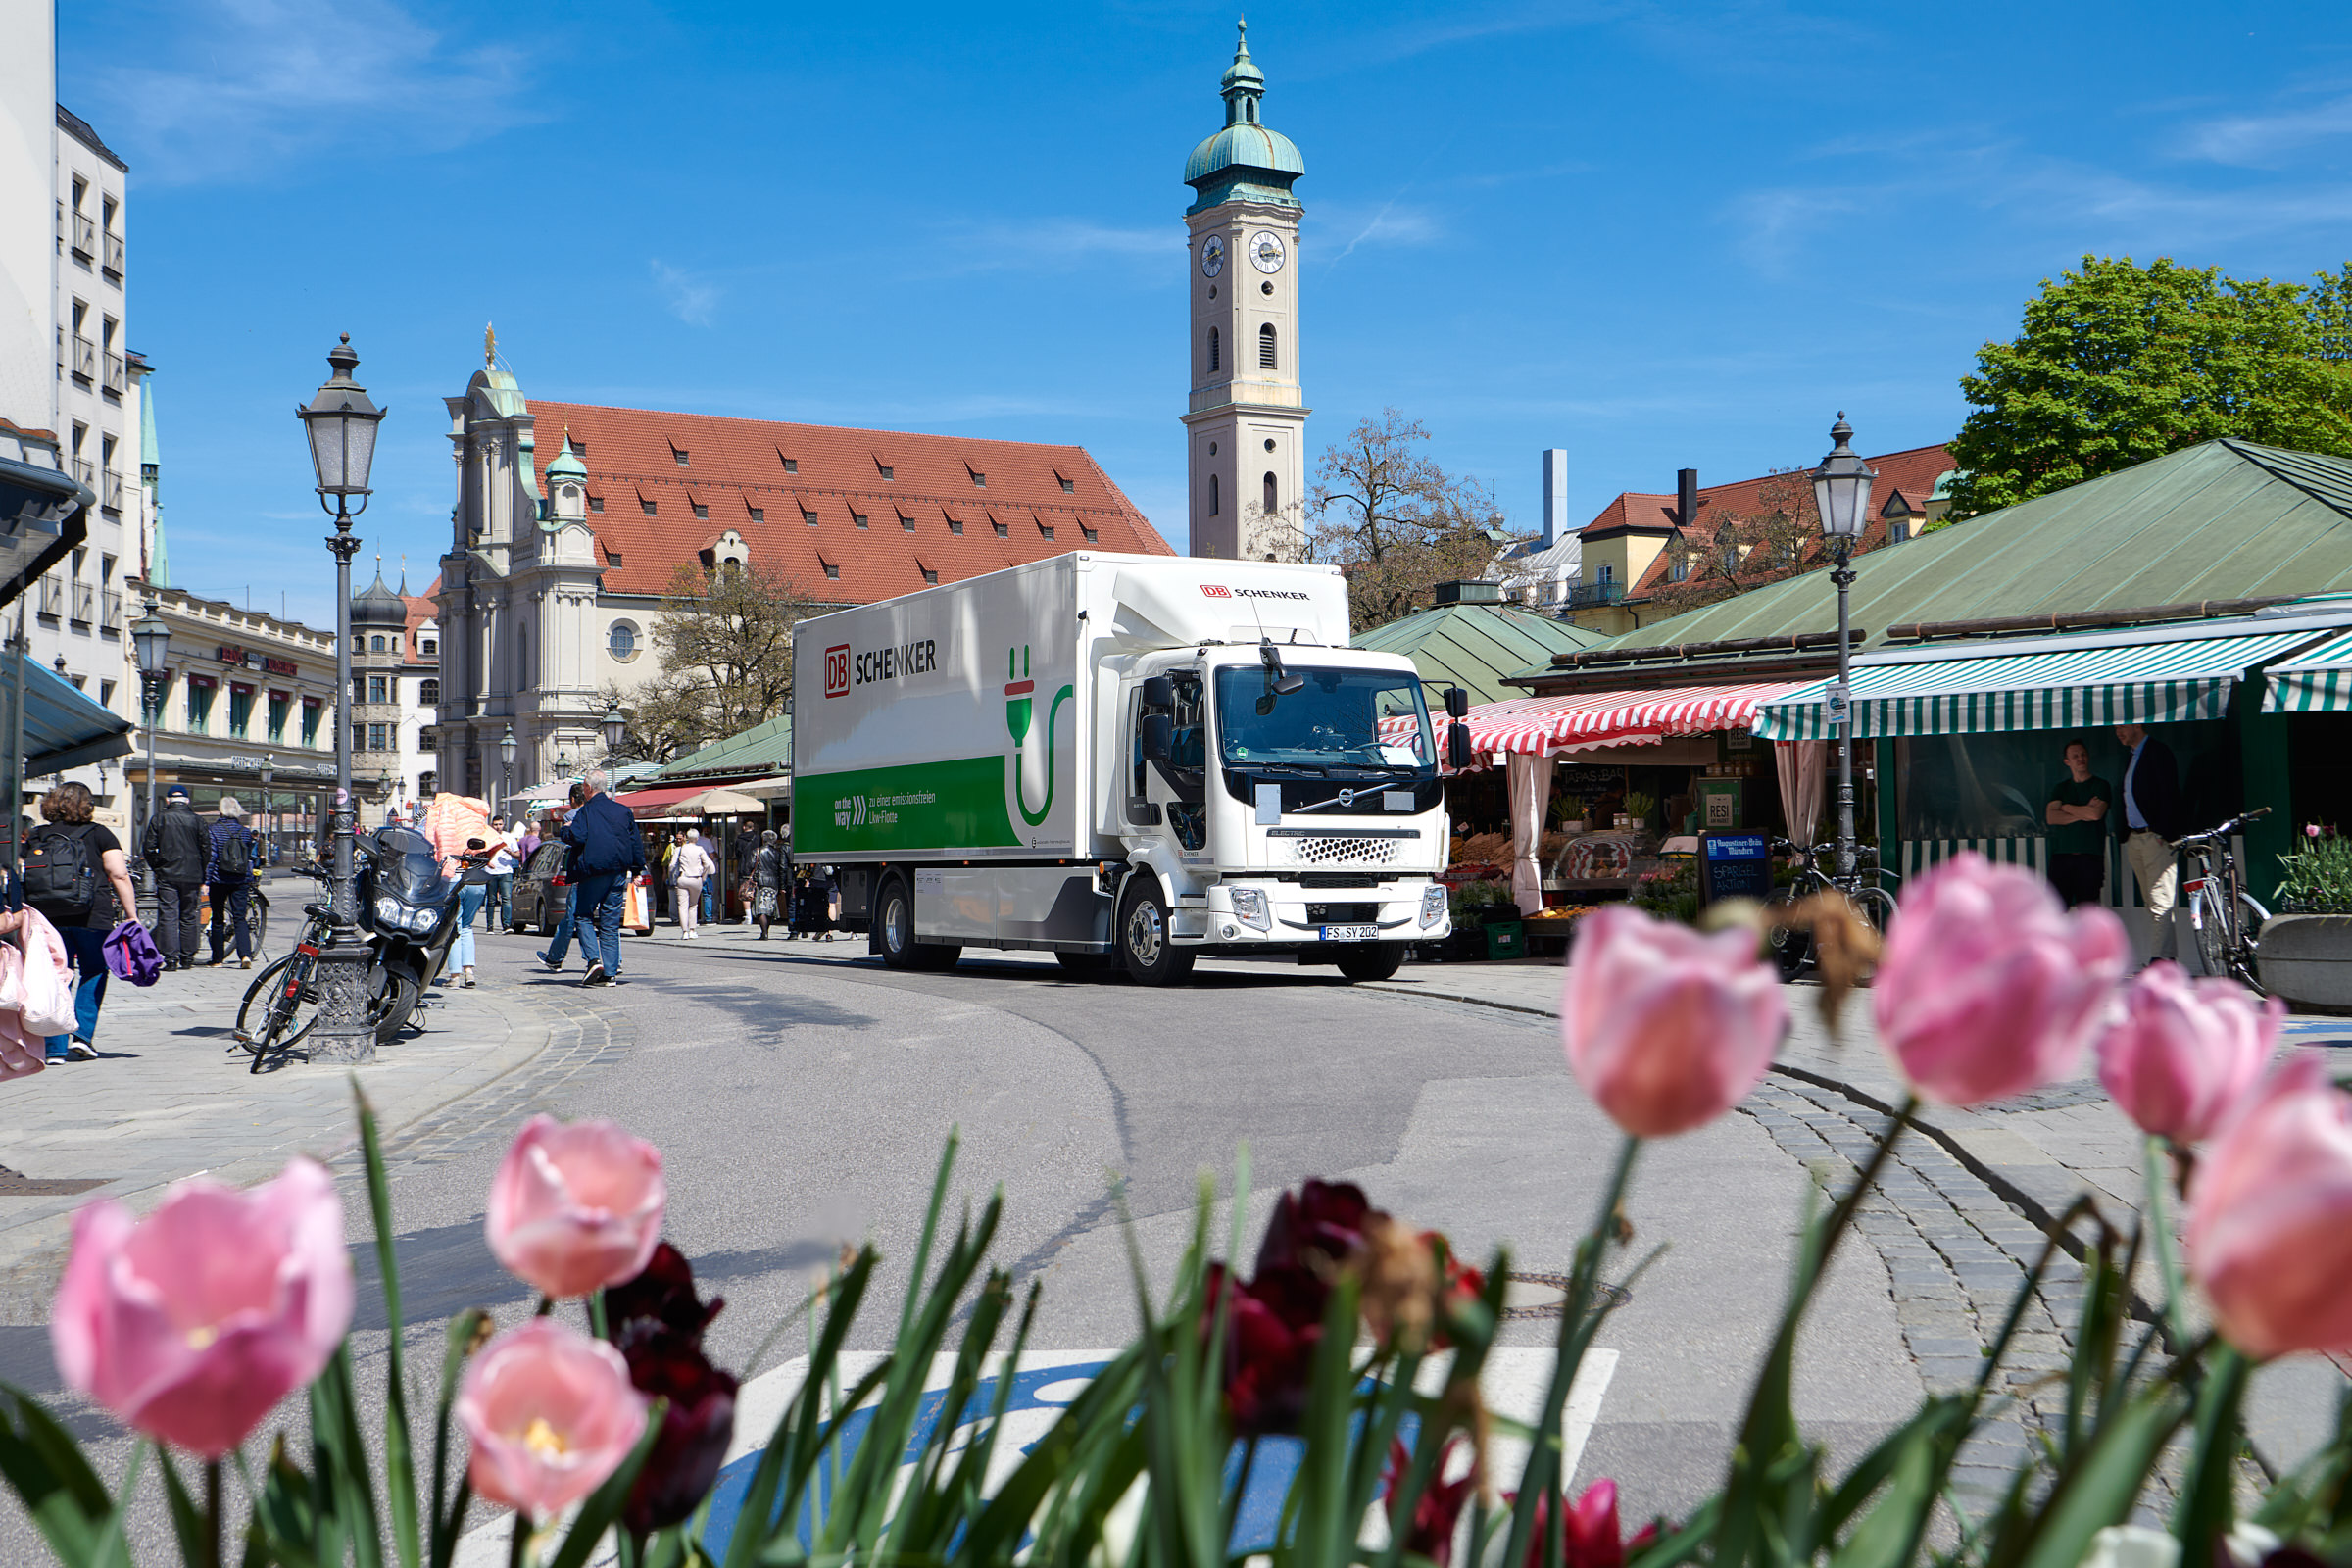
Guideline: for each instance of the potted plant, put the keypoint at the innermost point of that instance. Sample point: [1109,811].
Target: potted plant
[2306,952]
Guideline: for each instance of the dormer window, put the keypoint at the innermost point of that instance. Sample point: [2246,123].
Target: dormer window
[807,516]
[930,574]
[905,523]
[832,571]
[885,469]
[596,503]
[979,479]
[1069,486]
[790,465]
[701,509]
[857,519]
[759,513]
[679,453]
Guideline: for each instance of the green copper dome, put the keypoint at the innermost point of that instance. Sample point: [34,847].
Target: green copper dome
[1246,161]
[568,464]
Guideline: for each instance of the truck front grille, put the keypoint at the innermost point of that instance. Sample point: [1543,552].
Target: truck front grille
[1342,914]
[1337,849]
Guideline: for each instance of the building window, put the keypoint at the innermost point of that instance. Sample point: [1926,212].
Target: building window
[1678,565]
[613,559]
[432,648]
[311,708]
[379,689]
[1069,487]
[200,704]
[279,704]
[858,519]
[790,465]
[1092,535]
[375,644]
[929,575]
[1265,347]
[702,510]
[596,503]
[905,523]
[886,471]
[106,693]
[646,504]
[621,641]
[955,526]
[1898,531]
[358,737]
[831,571]
[1608,573]
[1272,506]
[807,516]
[759,513]
[1212,351]
[1003,532]
[376,738]
[1212,495]
[679,453]
[240,710]
[979,479]
[1044,530]
[428,692]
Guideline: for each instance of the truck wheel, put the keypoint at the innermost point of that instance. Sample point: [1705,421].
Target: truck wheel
[1145,942]
[894,924]
[1372,962]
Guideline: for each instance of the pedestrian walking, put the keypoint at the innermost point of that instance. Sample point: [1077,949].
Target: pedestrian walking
[2077,814]
[498,875]
[610,853]
[177,847]
[76,875]
[768,882]
[2153,816]
[473,891]
[228,878]
[689,869]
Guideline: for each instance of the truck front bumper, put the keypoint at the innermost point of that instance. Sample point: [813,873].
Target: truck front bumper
[1284,915]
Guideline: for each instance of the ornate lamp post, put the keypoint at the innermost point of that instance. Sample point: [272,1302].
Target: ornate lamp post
[151,639]
[268,806]
[1841,494]
[616,726]
[341,423]
[506,760]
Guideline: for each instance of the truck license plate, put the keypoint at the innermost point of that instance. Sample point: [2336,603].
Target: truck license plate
[1351,933]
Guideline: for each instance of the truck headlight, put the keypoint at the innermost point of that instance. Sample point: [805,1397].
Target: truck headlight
[1432,905]
[1249,908]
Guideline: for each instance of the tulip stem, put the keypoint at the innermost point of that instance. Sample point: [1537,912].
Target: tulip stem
[212,1512]
[518,1543]
[2167,1258]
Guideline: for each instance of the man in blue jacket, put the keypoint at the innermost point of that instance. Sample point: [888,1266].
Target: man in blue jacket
[610,853]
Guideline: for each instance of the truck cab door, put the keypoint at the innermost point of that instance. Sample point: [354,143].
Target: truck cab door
[1166,769]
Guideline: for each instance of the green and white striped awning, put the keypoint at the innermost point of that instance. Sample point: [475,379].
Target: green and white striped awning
[2321,681]
[1975,693]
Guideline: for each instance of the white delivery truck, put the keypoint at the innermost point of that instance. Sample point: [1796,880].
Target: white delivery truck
[1123,761]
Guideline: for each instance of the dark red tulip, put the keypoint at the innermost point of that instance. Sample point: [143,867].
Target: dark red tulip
[1270,1345]
[1590,1534]
[1318,1228]
[1430,1532]
[695,1428]
[663,1292]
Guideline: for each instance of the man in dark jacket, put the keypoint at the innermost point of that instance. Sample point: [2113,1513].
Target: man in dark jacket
[228,874]
[610,853]
[175,847]
[2153,814]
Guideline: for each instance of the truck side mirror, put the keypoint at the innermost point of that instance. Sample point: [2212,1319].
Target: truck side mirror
[1458,755]
[1159,693]
[1159,737]
[1457,702]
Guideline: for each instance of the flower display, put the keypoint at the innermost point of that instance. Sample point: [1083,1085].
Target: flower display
[1666,1027]
[191,1323]
[1317,1228]
[1430,1532]
[550,1413]
[1989,986]
[2186,1050]
[1590,1534]
[576,1206]
[658,1320]
[2270,1222]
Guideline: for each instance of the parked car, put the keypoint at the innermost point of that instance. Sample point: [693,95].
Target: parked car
[538,900]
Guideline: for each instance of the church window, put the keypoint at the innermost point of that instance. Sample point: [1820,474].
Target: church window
[1265,347]
[647,503]
[702,510]
[1212,349]
[1271,507]
[621,641]
[759,513]
[1212,495]
[807,516]
[858,519]
[596,503]
[428,692]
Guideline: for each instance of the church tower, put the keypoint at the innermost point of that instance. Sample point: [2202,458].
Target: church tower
[1246,425]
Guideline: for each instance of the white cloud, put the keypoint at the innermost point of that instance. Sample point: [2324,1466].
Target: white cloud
[1773,226]
[690,299]
[1059,244]
[239,87]
[2255,140]
[1393,223]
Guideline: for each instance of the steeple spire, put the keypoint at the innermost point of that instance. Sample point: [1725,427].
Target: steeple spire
[1243,83]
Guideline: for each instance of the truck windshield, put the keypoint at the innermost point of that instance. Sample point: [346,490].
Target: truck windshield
[1339,719]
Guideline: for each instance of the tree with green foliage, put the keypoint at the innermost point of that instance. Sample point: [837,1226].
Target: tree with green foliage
[2119,363]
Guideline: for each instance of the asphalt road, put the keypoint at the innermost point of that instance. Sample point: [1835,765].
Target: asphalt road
[801,1095]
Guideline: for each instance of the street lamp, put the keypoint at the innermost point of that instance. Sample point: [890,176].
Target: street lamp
[151,639]
[1841,494]
[269,808]
[340,423]
[506,758]
[616,725]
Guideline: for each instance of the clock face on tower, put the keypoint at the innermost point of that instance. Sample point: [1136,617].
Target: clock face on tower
[1213,256]
[1267,251]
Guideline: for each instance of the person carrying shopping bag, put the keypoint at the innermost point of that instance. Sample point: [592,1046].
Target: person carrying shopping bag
[690,867]
[74,874]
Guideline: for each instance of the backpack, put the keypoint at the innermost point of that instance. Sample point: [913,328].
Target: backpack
[61,879]
[235,862]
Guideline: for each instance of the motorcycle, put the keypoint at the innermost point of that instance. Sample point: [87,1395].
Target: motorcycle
[408,904]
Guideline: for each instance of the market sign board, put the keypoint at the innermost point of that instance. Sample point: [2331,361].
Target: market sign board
[1734,865]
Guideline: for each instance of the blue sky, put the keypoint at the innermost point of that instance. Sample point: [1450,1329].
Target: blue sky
[1656,235]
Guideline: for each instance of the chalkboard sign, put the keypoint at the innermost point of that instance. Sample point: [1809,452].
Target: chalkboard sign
[1734,865]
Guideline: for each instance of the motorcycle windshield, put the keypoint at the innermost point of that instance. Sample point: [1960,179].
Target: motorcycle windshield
[407,869]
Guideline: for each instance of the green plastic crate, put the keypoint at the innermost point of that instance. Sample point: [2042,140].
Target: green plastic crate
[1506,939]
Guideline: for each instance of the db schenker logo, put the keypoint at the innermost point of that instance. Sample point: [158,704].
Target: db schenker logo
[1216,591]
[836,671]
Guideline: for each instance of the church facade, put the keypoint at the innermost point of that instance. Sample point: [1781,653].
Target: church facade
[1246,419]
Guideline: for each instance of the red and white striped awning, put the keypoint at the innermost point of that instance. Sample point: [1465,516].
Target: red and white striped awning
[1551,726]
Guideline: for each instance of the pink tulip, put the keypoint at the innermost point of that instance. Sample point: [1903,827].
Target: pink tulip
[1667,1028]
[2185,1051]
[2270,1217]
[577,1206]
[1989,987]
[191,1323]
[550,1414]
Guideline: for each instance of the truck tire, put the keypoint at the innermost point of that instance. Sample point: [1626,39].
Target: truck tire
[1146,944]
[1372,961]
[894,924]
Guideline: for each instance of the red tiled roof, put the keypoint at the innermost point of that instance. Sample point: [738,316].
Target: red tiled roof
[734,466]
[1912,473]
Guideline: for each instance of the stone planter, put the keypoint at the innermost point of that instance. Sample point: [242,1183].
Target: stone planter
[2307,958]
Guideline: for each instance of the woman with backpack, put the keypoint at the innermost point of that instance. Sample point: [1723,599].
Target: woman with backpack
[76,875]
[228,874]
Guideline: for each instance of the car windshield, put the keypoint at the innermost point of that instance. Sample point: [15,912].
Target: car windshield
[1339,719]
[407,868]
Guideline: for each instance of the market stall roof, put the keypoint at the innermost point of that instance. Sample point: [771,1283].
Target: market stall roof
[655,804]
[2317,681]
[1475,647]
[1551,726]
[2153,677]
[2219,520]
[756,752]
[63,728]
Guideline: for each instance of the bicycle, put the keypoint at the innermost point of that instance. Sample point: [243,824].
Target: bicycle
[2226,918]
[1792,946]
[286,991]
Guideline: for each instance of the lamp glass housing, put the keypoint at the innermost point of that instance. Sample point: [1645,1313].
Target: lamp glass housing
[340,423]
[1842,487]
[616,725]
[151,637]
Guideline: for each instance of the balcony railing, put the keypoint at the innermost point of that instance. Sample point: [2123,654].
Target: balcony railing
[1584,594]
[114,254]
[85,236]
[85,359]
[53,596]
[118,375]
[86,604]
[111,498]
[86,472]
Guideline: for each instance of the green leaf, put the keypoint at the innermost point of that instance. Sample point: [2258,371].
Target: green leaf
[400,1482]
[2202,1516]
[447,1516]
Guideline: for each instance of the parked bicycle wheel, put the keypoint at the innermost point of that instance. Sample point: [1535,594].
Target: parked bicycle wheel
[2226,947]
[1791,947]
[1877,907]
[280,1009]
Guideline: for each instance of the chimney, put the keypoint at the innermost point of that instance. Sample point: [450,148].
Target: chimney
[1555,495]
[1685,497]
